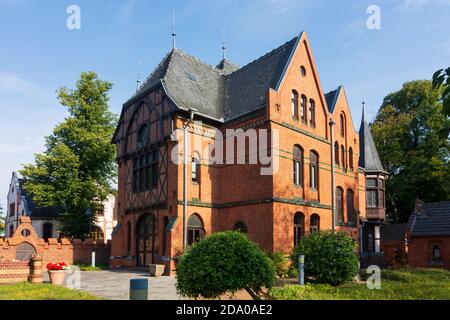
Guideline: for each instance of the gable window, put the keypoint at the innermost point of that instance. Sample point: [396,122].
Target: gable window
[343,156]
[314,225]
[12,209]
[294,103]
[314,170]
[350,158]
[303,71]
[312,113]
[336,153]
[339,205]
[342,125]
[299,227]
[298,166]
[303,108]
[195,170]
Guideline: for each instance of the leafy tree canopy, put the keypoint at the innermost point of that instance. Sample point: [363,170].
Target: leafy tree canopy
[442,79]
[77,169]
[411,135]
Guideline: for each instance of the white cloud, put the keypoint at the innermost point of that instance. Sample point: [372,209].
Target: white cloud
[11,82]
[125,11]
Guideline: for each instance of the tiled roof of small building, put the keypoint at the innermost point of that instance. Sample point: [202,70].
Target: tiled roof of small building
[432,220]
[34,211]
[223,92]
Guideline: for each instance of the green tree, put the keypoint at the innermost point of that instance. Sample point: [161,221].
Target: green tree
[224,262]
[442,79]
[410,132]
[77,169]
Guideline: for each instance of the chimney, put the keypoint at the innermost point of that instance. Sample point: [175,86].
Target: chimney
[418,209]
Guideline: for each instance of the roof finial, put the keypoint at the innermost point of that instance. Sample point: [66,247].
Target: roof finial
[174,33]
[363,111]
[224,47]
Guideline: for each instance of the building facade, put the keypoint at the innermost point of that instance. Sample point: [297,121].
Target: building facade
[275,103]
[45,219]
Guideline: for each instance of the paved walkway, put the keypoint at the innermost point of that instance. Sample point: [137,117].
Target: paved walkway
[115,285]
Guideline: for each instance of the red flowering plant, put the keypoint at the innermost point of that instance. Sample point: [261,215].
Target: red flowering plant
[57,266]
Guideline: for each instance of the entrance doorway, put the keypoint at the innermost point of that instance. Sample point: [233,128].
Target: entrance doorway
[146,240]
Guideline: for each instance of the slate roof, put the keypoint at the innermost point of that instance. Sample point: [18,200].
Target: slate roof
[331,98]
[33,211]
[223,92]
[432,220]
[369,158]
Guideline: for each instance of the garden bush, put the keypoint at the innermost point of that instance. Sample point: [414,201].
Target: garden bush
[329,257]
[281,264]
[224,262]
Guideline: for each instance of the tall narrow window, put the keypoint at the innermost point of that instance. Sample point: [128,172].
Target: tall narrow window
[195,170]
[343,156]
[342,125]
[312,113]
[436,254]
[336,153]
[155,168]
[294,104]
[372,193]
[304,108]
[299,227]
[314,170]
[129,238]
[350,158]
[351,214]
[298,166]
[339,205]
[314,225]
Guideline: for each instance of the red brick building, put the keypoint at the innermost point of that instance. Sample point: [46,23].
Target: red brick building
[278,96]
[428,235]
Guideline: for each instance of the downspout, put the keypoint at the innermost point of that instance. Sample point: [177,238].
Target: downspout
[333,205]
[185,174]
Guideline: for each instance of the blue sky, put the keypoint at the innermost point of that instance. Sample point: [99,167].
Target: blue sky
[120,39]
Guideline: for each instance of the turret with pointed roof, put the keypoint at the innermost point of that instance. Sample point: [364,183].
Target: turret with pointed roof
[369,158]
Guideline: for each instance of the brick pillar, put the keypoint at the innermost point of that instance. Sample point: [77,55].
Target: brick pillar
[36,270]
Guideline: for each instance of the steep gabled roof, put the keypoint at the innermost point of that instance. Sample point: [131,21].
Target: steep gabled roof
[369,158]
[246,89]
[432,220]
[223,92]
[331,98]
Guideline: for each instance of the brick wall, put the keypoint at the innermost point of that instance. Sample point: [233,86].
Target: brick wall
[54,250]
[420,251]
[13,272]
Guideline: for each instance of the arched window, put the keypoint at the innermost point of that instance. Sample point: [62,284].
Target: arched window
[47,231]
[314,225]
[312,113]
[303,107]
[314,170]
[294,101]
[336,153]
[195,229]
[298,166]
[342,125]
[436,254]
[343,156]
[240,226]
[195,169]
[299,227]
[350,158]
[351,214]
[339,205]
[303,71]
[129,238]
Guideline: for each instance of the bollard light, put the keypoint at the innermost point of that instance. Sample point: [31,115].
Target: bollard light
[139,289]
[93,259]
[301,270]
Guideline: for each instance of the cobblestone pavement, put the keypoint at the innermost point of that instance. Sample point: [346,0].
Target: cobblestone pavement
[115,285]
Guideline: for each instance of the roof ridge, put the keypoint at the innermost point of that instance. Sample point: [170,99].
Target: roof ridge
[263,56]
[197,60]
[153,72]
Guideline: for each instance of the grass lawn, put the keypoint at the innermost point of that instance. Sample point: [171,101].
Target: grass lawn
[402,284]
[29,291]
[88,267]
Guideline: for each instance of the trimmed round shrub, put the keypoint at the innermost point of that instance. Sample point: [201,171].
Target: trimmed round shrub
[329,257]
[224,262]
